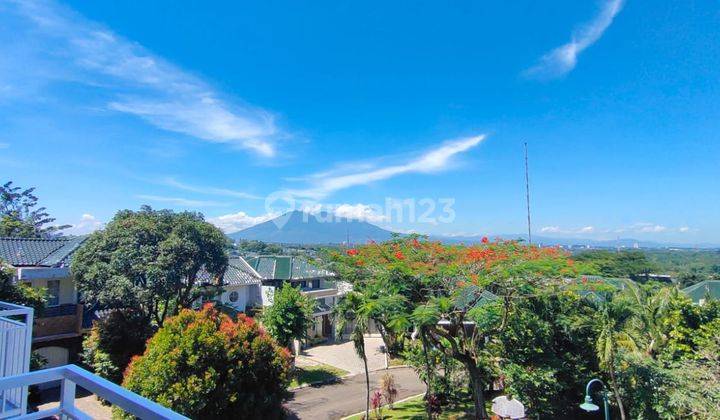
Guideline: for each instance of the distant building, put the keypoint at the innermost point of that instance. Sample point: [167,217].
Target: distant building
[701,292]
[45,263]
[241,286]
[313,281]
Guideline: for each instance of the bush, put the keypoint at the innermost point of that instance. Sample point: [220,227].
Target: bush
[205,365]
[114,340]
[290,315]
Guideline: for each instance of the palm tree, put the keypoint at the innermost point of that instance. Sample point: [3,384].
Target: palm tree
[353,309]
[649,308]
[614,317]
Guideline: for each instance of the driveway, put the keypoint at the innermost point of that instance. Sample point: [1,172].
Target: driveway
[348,397]
[343,356]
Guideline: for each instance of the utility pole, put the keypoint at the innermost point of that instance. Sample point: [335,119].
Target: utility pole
[527,194]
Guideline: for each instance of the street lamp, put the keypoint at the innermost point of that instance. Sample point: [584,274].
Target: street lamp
[589,406]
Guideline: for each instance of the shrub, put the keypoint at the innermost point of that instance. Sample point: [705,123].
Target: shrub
[114,340]
[205,365]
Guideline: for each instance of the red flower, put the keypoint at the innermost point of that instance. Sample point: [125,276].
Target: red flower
[584,280]
[484,239]
[352,252]
[416,243]
[399,255]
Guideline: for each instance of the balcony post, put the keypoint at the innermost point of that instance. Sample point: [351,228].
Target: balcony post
[67,396]
[27,355]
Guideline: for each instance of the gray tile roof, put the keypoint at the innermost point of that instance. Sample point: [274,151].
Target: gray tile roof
[283,267]
[238,273]
[23,252]
[706,288]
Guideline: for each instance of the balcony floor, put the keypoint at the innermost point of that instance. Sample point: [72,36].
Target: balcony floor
[85,401]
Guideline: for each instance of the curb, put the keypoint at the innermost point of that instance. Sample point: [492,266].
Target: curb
[339,379]
[396,402]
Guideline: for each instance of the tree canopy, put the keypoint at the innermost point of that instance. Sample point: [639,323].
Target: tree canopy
[289,316]
[205,365]
[149,260]
[460,297]
[20,216]
[18,293]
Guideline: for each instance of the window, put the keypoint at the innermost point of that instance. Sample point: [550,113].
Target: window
[53,290]
[316,284]
[233,297]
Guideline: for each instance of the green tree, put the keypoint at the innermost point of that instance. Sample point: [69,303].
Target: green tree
[19,216]
[149,260]
[205,365]
[353,310]
[114,340]
[460,297]
[547,352]
[613,325]
[617,264]
[18,293]
[289,316]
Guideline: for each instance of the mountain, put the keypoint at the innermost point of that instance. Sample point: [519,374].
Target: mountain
[297,227]
[324,228]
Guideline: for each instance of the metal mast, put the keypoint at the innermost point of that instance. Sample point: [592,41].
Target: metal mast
[527,193]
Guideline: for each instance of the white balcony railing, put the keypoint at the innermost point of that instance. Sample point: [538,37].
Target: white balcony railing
[16,324]
[15,341]
[71,376]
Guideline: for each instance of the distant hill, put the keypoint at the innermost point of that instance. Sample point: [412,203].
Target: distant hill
[319,229]
[304,228]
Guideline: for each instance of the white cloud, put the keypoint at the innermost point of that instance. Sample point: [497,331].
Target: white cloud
[4,145]
[87,224]
[550,229]
[234,222]
[360,212]
[648,228]
[586,229]
[171,182]
[137,81]
[562,59]
[179,201]
[326,183]
[684,229]
[558,229]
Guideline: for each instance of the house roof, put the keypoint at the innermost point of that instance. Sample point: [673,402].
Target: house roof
[284,267]
[704,288]
[38,252]
[238,273]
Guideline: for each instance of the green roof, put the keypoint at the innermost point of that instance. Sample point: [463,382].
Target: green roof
[38,252]
[704,289]
[284,267]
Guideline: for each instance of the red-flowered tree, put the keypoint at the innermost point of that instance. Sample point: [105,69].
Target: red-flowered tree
[204,364]
[459,297]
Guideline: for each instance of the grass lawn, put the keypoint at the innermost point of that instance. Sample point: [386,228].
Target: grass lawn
[310,374]
[414,409]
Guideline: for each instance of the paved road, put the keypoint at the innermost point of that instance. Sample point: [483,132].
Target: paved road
[348,397]
[343,356]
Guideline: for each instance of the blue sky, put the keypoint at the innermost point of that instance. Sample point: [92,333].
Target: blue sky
[346,105]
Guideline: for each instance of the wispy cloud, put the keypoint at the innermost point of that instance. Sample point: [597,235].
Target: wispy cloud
[562,59]
[438,159]
[635,228]
[172,182]
[179,201]
[4,145]
[69,47]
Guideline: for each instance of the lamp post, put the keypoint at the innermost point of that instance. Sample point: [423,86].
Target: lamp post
[588,405]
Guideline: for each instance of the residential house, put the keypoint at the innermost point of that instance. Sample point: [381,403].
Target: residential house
[241,286]
[703,291]
[45,263]
[318,283]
